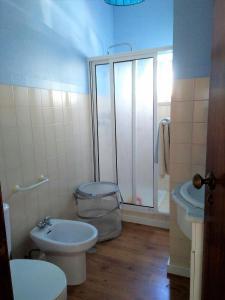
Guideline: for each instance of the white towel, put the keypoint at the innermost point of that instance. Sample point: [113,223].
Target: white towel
[164,147]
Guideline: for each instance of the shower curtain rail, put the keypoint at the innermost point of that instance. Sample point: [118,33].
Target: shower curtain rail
[118,45]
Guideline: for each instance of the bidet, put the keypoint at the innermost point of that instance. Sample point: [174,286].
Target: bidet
[65,244]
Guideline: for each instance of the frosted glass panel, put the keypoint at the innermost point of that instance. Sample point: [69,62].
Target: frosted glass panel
[123,105]
[144,135]
[164,76]
[134,124]
[105,125]
[127,154]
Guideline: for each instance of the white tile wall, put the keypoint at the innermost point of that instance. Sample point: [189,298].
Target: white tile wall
[201,91]
[183,90]
[180,153]
[42,132]
[200,111]
[189,114]
[181,132]
[199,134]
[182,111]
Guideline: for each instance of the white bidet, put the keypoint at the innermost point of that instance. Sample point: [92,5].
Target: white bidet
[65,244]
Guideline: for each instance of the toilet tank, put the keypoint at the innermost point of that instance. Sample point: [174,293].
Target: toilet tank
[7,226]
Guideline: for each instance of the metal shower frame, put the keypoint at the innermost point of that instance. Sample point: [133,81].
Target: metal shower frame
[111,59]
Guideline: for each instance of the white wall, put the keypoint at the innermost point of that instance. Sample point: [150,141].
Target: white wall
[189,114]
[42,132]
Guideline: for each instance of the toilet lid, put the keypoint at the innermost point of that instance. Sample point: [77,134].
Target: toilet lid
[36,279]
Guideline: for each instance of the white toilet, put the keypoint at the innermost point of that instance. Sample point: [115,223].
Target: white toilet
[34,279]
[65,244]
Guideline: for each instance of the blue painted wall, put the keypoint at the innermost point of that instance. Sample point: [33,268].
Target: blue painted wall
[45,43]
[147,25]
[192,38]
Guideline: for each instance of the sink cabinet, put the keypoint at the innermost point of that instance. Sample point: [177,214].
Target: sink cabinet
[194,231]
[190,219]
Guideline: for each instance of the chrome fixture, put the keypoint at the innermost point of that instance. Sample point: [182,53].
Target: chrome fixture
[43,223]
[123,2]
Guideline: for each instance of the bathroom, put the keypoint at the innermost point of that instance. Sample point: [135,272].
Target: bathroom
[59,64]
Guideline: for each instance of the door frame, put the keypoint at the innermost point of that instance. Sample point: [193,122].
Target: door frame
[214,224]
[111,59]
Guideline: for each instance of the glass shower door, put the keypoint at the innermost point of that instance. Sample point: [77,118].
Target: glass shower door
[144,132]
[125,127]
[134,130]
[105,125]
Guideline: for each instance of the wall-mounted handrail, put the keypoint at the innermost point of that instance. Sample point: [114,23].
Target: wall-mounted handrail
[42,179]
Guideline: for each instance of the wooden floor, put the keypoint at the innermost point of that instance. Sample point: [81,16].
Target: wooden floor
[131,267]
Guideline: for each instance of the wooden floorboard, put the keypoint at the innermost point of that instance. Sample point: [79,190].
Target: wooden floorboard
[131,267]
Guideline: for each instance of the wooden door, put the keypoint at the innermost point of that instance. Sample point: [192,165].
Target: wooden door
[213,285]
[6,291]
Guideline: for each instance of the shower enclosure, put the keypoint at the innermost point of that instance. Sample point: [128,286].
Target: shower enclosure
[123,91]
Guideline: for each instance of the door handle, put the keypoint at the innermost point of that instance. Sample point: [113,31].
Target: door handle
[210,180]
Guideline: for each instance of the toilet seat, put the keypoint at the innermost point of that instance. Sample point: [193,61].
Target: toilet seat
[37,280]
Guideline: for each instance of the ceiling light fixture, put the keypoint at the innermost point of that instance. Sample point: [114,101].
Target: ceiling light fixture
[123,2]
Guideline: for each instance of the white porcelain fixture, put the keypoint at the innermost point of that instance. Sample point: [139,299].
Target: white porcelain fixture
[190,206]
[184,224]
[192,195]
[34,279]
[65,244]
[190,218]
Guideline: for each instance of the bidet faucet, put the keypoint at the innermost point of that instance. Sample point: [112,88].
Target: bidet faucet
[43,223]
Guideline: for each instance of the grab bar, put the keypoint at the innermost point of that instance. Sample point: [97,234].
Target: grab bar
[119,45]
[42,179]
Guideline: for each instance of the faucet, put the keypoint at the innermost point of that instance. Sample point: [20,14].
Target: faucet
[45,222]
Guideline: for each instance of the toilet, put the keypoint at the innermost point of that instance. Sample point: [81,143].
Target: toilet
[34,279]
[65,244]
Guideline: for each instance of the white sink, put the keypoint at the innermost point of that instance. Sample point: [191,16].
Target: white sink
[192,195]
[190,206]
[184,224]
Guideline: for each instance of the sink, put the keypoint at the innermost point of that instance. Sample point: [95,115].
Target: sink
[192,195]
[190,206]
[184,224]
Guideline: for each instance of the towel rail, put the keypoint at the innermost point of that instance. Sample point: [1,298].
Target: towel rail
[42,179]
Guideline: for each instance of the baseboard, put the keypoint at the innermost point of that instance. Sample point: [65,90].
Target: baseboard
[178,270]
[146,221]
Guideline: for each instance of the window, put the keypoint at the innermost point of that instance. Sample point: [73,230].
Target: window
[164,76]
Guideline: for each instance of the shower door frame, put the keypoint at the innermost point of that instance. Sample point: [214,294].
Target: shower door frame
[110,60]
